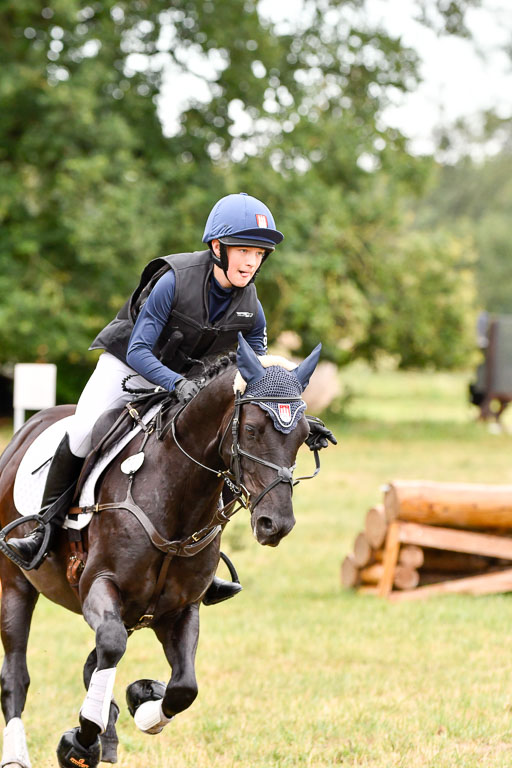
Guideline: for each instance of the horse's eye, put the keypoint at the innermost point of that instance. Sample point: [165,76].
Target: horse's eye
[250,430]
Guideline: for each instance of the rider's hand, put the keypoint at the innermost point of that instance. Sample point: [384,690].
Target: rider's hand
[186,390]
[319,435]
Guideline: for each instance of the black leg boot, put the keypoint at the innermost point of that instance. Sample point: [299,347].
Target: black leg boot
[220,590]
[60,483]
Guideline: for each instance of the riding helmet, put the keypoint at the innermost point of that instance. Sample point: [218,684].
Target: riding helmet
[240,219]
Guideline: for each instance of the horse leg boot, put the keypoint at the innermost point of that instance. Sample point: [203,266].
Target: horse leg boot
[101,610]
[62,477]
[109,740]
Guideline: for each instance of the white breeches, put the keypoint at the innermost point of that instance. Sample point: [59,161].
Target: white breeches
[102,392]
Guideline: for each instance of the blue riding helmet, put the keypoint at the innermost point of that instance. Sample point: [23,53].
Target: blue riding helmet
[242,220]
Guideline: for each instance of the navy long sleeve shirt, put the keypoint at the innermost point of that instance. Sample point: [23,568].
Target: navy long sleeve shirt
[153,317]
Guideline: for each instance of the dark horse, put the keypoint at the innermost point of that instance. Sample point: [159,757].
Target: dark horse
[153,546]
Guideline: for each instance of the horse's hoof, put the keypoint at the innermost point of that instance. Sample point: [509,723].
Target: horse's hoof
[70,753]
[143,690]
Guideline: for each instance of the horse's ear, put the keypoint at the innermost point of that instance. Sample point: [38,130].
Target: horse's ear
[305,370]
[247,361]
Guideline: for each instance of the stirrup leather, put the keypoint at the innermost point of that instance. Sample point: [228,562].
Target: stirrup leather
[12,555]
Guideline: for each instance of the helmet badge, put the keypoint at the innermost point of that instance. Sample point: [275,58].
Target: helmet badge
[261,220]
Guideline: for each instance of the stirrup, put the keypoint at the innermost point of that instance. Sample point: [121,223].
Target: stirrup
[231,568]
[12,555]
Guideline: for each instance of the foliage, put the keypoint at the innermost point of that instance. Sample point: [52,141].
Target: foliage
[472,198]
[90,188]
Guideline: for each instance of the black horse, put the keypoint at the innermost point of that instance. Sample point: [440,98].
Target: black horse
[153,544]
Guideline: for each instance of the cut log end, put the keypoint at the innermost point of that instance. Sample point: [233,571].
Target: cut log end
[349,573]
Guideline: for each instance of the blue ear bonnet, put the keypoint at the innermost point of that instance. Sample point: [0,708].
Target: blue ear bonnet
[278,382]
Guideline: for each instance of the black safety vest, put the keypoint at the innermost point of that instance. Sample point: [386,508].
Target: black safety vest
[188,334]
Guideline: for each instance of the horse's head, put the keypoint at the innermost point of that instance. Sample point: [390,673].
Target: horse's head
[271,427]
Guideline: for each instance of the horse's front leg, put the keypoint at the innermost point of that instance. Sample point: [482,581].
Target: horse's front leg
[154,705]
[109,740]
[102,611]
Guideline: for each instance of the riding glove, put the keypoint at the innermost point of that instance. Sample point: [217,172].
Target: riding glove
[318,434]
[186,390]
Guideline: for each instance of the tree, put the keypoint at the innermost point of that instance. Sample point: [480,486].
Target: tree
[472,198]
[90,188]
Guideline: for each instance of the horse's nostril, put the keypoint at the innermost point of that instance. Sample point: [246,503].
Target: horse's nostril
[265,524]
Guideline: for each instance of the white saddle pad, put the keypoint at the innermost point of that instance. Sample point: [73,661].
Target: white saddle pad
[33,470]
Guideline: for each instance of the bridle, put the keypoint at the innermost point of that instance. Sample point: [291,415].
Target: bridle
[233,476]
[200,539]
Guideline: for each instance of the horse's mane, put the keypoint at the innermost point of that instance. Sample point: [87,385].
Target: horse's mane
[215,367]
[210,372]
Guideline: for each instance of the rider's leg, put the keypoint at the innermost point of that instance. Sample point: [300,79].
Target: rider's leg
[62,475]
[102,392]
[220,590]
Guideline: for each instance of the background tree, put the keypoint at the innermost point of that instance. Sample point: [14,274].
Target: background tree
[472,197]
[90,189]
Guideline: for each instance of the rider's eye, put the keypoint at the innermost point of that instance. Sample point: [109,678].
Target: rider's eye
[250,430]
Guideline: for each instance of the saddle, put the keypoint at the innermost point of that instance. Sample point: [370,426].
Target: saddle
[113,425]
[109,429]
[112,431]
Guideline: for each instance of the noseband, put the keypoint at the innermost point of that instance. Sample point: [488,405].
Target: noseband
[233,475]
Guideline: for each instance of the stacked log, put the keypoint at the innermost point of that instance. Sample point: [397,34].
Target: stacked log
[428,538]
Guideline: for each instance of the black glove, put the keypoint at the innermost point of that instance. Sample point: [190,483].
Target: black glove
[318,434]
[186,389]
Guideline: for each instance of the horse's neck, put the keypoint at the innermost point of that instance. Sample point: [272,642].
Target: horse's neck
[198,431]
[201,424]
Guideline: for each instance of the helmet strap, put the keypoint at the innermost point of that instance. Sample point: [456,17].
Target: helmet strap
[223,261]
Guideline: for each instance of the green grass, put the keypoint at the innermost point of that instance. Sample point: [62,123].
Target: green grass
[299,672]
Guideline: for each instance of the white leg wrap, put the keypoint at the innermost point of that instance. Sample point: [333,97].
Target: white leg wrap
[96,704]
[15,751]
[150,718]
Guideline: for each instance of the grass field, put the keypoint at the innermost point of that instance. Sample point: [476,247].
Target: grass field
[297,671]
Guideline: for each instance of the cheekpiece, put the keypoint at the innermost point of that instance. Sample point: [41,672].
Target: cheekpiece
[277,382]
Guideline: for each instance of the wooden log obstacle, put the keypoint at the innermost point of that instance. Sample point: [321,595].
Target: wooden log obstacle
[428,538]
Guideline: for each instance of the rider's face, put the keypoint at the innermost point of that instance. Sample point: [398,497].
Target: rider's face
[243,263]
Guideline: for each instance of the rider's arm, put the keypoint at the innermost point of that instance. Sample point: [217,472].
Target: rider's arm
[148,327]
[257,336]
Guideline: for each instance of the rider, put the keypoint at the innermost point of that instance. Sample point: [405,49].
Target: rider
[187,306]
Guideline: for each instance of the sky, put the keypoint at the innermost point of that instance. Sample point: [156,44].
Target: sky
[460,77]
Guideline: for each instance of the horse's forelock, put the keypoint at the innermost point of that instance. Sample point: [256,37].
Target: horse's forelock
[240,384]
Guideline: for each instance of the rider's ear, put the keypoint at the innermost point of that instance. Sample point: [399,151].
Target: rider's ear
[305,370]
[247,361]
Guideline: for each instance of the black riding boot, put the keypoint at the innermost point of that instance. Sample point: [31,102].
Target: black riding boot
[62,476]
[220,590]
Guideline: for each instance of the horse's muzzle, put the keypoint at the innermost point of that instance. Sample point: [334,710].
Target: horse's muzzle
[269,532]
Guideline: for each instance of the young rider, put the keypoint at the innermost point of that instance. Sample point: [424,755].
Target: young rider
[187,306]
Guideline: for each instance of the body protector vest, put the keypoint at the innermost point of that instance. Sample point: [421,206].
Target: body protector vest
[188,335]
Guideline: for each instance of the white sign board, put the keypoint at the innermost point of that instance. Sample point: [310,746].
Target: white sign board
[34,388]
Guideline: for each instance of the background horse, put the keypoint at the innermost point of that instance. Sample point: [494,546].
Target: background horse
[154,546]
